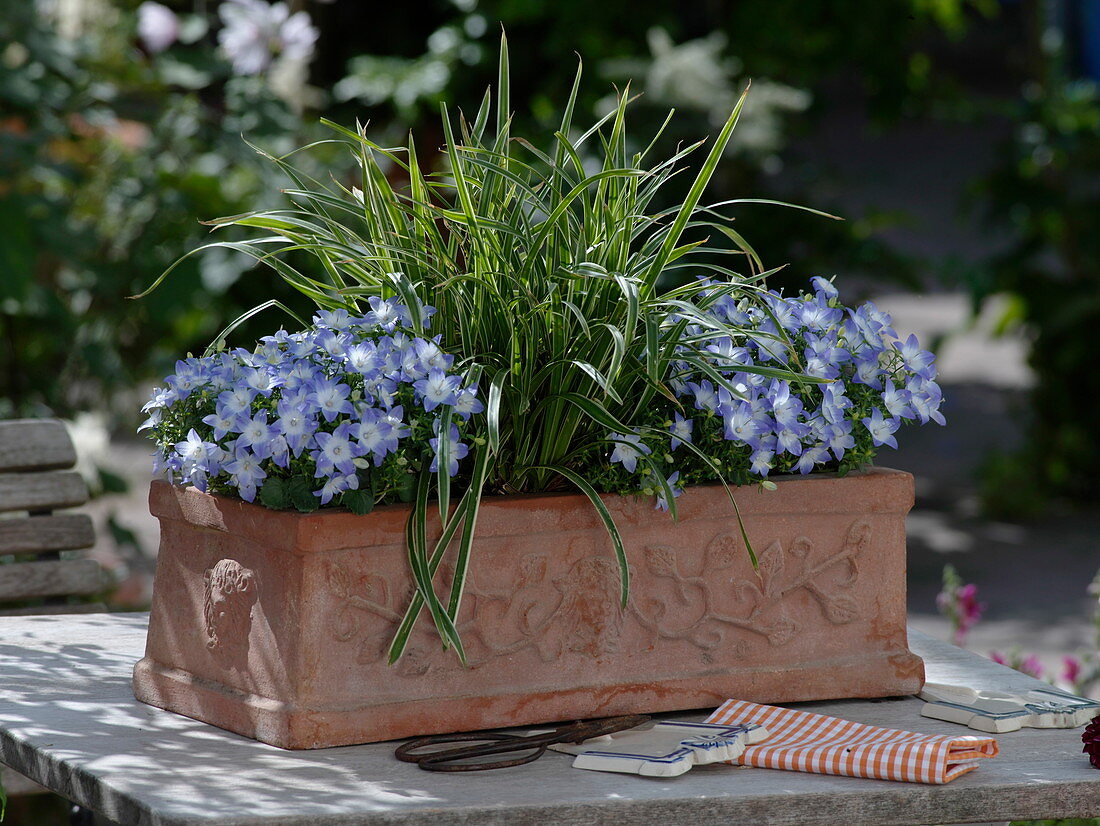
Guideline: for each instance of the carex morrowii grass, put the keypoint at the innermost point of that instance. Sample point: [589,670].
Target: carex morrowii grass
[544,266]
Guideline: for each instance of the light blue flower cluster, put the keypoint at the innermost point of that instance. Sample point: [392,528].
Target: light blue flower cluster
[869,383]
[325,404]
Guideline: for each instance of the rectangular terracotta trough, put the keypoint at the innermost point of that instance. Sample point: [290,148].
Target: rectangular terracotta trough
[275,625]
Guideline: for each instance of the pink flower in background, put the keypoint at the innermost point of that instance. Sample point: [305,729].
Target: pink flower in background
[157,26]
[969,610]
[1030,665]
[1071,672]
[959,603]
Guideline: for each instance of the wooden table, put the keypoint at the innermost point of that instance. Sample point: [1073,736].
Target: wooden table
[69,721]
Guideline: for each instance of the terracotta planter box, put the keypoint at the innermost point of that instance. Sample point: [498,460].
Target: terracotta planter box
[275,624]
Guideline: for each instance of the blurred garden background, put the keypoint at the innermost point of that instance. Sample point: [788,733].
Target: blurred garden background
[959,140]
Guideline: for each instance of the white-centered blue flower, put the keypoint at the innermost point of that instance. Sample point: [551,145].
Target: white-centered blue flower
[193,449]
[260,380]
[811,457]
[384,313]
[896,401]
[673,482]
[246,473]
[256,434]
[468,403]
[628,449]
[237,401]
[868,371]
[739,425]
[834,402]
[919,361]
[926,398]
[825,287]
[455,451]
[680,429]
[706,397]
[375,434]
[788,440]
[338,319]
[438,388]
[335,485]
[881,429]
[763,460]
[786,406]
[330,396]
[838,436]
[430,355]
[294,425]
[336,450]
[364,358]
[332,343]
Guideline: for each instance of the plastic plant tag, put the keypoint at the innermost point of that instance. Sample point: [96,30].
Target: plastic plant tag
[1001,711]
[664,749]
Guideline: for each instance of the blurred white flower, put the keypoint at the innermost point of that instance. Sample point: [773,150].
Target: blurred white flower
[75,18]
[255,31]
[699,75]
[158,27]
[693,74]
[92,442]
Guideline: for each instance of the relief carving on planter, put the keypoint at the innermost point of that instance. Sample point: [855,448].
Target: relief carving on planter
[229,592]
[701,607]
[580,612]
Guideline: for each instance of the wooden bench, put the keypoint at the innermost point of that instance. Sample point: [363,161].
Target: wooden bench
[39,571]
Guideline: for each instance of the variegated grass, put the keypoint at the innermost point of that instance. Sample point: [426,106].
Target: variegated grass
[543,266]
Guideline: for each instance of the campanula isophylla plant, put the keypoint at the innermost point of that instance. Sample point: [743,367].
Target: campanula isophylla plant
[562,364]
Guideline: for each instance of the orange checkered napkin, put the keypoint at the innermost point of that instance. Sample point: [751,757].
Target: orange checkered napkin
[807,742]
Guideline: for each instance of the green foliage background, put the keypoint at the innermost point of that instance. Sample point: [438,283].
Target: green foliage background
[110,156]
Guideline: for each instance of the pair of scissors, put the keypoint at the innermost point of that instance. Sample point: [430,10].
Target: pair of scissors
[459,759]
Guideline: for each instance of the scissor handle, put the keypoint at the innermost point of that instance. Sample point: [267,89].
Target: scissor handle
[490,743]
[449,760]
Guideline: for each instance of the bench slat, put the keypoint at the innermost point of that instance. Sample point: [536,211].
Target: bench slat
[41,491]
[35,610]
[35,444]
[26,580]
[41,534]
[16,784]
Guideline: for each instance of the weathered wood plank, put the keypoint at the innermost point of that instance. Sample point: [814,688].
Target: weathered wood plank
[41,534]
[41,491]
[16,784]
[26,580]
[35,610]
[35,444]
[68,717]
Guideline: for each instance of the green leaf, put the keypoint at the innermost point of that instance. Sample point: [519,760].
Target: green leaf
[496,393]
[274,494]
[416,542]
[469,525]
[406,488]
[360,502]
[400,639]
[503,89]
[443,463]
[301,495]
[687,207]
